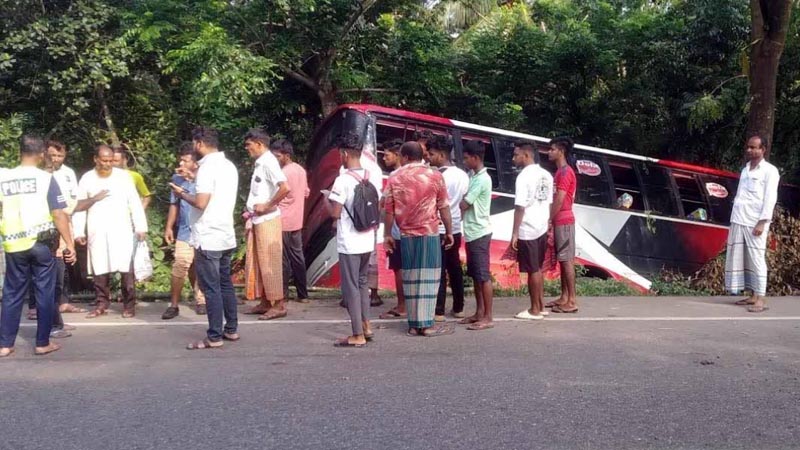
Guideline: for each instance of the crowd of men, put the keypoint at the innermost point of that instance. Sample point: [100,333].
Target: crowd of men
[428,207]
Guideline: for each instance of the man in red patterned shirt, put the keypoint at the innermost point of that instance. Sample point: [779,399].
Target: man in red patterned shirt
[416,198]
[564,223]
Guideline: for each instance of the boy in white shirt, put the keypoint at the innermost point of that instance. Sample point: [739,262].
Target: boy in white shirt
[354,246]
[533,196]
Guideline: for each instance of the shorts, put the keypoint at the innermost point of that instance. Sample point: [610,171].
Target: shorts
[530,254]
[184,257]
[396,258]
[565,242]
[478,259]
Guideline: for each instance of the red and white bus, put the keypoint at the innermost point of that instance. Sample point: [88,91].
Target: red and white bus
[676,214]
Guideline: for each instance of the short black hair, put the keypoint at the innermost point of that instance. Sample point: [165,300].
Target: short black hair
[564,144]
[31,145]
[425,135]
[58,145]
[207,135]
[440,143]
[100,147]
[348,141]
[257,135]
[392,146]
[475,148]
[411,150]
[527,146]
[282,146]
[123,149]
[187,148]
[764,141]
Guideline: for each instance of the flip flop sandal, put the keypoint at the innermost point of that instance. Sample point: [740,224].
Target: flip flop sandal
[743,302]
[467,321]
[559,310]
[257,311]
[526,315]
[346,343]
[439,331]
[551,304]
[202,345]
[270,315]
[96,313]
[233,337]
[392,314]
[49,349]
[7,353]
[754,309]
[480,326]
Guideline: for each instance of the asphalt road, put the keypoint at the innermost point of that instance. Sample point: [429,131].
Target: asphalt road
[622,374]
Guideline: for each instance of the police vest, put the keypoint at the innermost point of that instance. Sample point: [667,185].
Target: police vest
[26,211]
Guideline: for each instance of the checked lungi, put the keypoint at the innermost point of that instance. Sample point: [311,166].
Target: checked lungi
[745,260]
[422,262]
[264,261]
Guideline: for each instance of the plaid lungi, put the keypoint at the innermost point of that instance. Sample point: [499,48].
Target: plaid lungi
[264,261]
[422,262]
[745,260]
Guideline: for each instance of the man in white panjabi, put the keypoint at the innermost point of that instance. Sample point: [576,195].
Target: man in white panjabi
[111,226]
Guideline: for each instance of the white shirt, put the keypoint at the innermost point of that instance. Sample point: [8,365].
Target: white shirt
[348,240]
[457,182]
[368,163]
[212,228]
[68,183]
[534,192]
[756,195]
[267,174]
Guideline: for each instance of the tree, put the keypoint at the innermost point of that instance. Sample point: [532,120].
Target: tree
[770,21]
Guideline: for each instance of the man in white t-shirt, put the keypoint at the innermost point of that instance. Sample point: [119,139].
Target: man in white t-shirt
[264,258]
[213,237]
[457,182]
[533,196]
[354,247]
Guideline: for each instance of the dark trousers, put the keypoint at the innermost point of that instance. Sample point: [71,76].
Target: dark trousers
[294,263]
[102,290]
[60,298]
[451,268]
[35,265]
[213,270]
[353,270]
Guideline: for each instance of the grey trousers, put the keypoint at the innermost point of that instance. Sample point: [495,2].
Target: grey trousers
[294,263]
[353,273]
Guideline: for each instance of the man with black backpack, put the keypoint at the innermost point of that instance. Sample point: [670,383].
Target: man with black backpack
[353,204]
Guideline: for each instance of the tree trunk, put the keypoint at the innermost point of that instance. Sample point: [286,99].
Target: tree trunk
[770,22]
[106,112]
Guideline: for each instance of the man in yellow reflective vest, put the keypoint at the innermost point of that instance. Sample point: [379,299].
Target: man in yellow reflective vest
[33,217]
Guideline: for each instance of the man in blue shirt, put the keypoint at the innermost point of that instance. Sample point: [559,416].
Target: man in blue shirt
[178,219]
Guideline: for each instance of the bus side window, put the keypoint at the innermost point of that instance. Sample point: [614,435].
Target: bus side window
[591,177]
[489,158]
[387,130]
[507,171]
[721,192]
[627,191]
[658,189]
[692,198]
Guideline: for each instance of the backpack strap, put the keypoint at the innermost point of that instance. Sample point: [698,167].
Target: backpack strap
[358,177]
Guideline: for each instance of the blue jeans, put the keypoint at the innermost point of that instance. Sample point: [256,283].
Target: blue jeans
[36,264]
[214,275]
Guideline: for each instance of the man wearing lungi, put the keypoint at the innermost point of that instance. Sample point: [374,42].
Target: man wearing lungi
[264,259]
[745,261]
[416,198]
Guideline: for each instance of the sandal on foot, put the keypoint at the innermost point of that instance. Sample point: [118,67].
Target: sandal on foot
[345,342]
[392,314]
[376,301]
[233,337]
[32,314]
[526,315]
[201,345]
[6,352]
[128,314]
[273,314]
[413,332]
[66,308]
[41,351]
[468,320]
[96,313]
[757,309]
[480,326]
[560,310]
[258,310]
[744,302]
[439,330]
[552,304]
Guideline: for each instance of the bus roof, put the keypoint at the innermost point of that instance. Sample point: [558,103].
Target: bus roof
[368,108]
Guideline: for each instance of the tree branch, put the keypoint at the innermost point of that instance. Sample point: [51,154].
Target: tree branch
[345,91]
[363,8]
[301,77]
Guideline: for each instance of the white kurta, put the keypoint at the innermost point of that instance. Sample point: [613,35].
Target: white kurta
[109,225]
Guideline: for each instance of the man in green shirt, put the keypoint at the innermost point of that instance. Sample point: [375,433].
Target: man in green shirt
[122,161]
[475,209]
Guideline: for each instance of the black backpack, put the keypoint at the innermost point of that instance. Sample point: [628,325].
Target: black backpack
[366,213]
